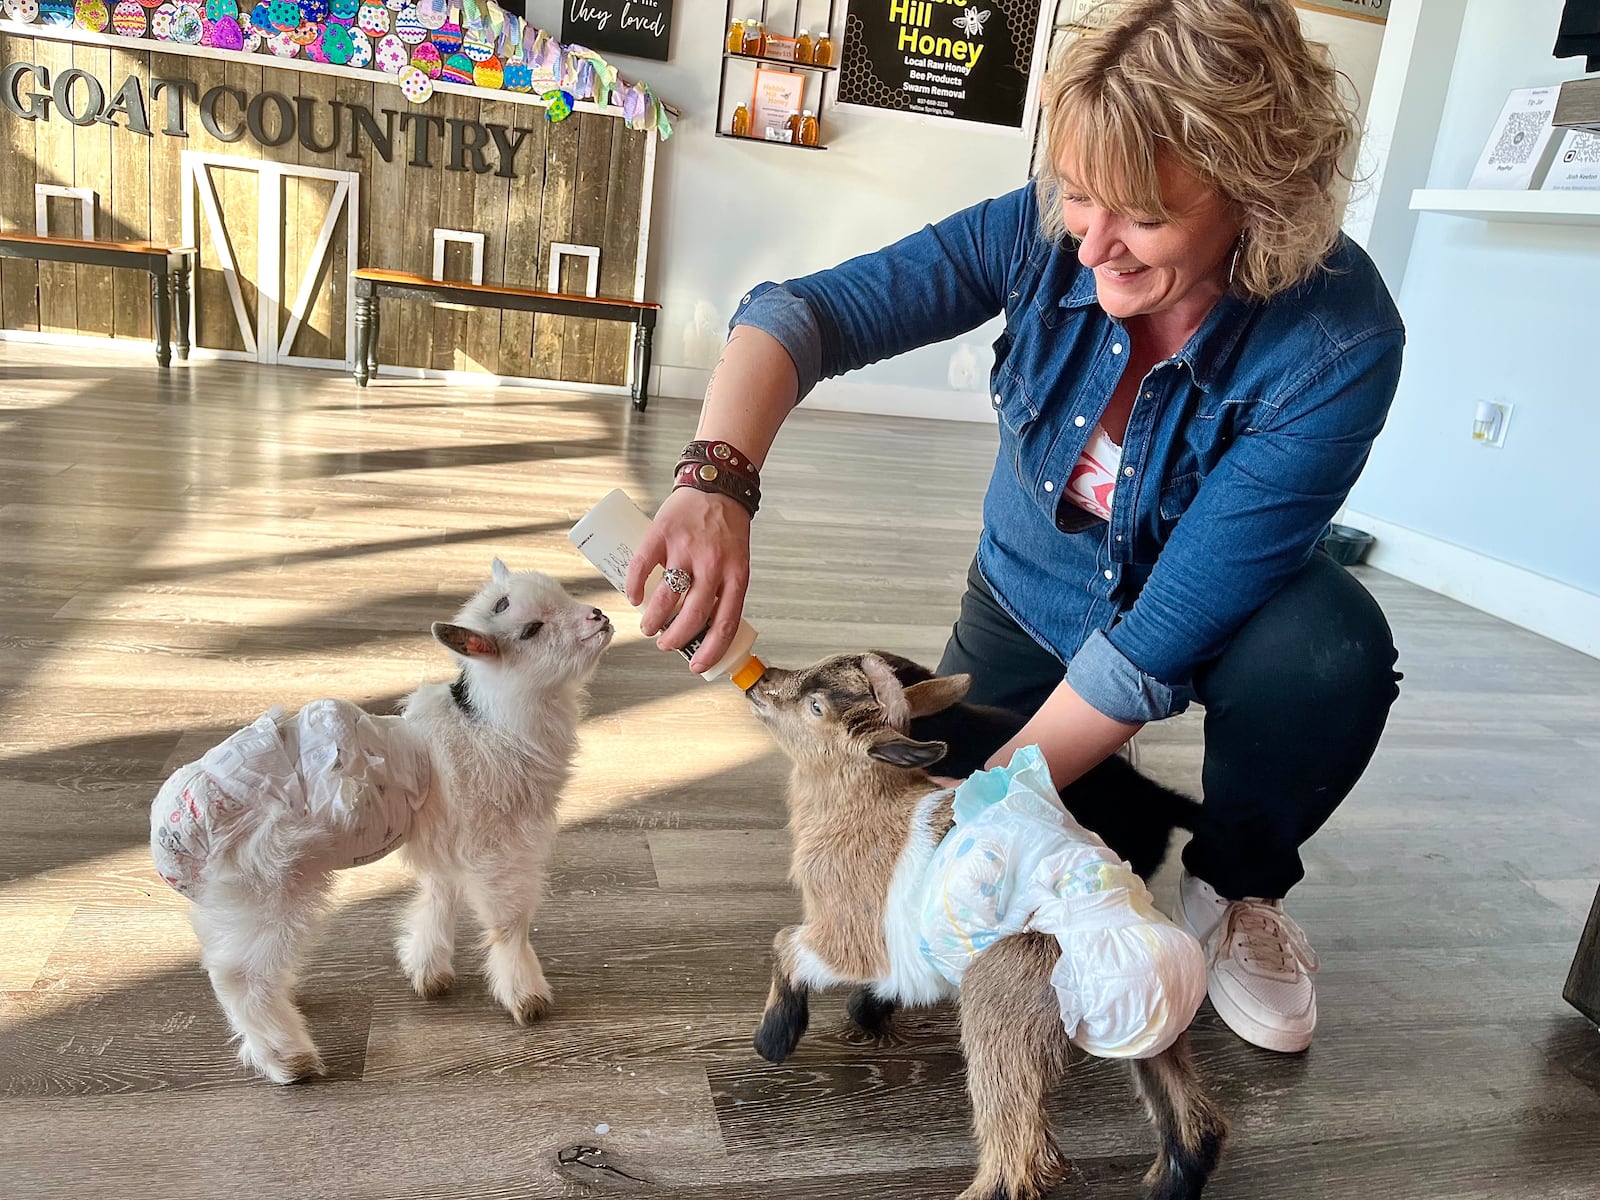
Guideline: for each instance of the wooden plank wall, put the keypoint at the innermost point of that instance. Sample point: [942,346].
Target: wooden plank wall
[580,180]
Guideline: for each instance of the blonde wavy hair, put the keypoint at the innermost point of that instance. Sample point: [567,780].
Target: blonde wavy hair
[1229,89]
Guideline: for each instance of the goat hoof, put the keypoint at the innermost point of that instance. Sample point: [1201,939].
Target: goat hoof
[432,984]
[1046,1168]
[304,1066]
[283,1068]
[871,1013]
[532,1009]
[779,1033]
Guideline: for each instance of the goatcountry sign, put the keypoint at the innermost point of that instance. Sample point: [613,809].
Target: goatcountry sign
[33,93]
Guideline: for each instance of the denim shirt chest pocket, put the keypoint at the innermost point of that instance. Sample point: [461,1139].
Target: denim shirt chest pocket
[1024,365]
[1220,418]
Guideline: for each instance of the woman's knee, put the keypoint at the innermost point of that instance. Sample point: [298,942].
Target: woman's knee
[1322,644]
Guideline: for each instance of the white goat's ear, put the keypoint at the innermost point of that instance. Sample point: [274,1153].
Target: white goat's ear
[887,691]
[900,751]
[468,643]
[935,695]
[500,572]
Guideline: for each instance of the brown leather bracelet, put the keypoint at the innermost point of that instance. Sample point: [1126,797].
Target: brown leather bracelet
[717,480]
[721,454]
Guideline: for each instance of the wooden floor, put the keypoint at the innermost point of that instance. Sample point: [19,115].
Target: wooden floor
[180,550]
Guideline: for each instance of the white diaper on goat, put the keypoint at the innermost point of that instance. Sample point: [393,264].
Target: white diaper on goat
[1129,981]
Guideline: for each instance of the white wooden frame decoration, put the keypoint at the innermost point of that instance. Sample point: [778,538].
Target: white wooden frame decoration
[560,250]
[442,237]
[263,340]
[87,197]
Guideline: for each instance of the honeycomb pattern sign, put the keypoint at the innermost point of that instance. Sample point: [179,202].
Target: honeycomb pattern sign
[965,60]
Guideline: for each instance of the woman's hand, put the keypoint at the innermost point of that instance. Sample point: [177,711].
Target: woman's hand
[709,537]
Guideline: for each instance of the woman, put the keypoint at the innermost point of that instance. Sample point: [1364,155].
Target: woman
[1194,365]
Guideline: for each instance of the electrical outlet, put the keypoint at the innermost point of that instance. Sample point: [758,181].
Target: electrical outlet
[1490,421]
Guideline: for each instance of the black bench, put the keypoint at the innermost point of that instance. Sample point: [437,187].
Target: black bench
[370,285]
[169,267]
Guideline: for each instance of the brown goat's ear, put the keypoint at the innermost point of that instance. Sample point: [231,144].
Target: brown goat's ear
[900,751]
[468,643]
[936,695]
[887,691]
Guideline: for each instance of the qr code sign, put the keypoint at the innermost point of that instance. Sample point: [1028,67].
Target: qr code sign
[1519,138]
[1584,150]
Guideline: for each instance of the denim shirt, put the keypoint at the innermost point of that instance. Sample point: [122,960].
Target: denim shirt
[1239,449]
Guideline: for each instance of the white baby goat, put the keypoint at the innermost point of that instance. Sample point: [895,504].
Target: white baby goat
[467,780]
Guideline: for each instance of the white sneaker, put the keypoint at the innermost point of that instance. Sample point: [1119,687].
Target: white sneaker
[1259,966]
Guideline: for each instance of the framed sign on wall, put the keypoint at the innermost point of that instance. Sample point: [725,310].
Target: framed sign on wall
[642,28]
[966,61]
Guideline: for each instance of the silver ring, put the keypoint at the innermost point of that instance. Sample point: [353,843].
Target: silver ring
[677,579]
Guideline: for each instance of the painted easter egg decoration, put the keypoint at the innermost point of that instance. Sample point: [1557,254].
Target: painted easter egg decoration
[343,11]
[337,44]
[457,69]
[426,58]
[519,77]
[315,11]
[373,20]
[216,10]
[284,15]
[360,48]
[415,85]
[306,34]
[187,27]
[312,51]
[261,18]
[161,22]
[56,12]
[389,55]
[447,37]
[253,40]
[476,48]
[283,45]
[128,18]
[24,12]
[225,34]
[91,15]
[489,73]
[560,104]
[408,27]
[433,13]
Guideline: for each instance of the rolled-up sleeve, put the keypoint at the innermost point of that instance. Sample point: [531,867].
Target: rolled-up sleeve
[936,284]
[790,319]
[1108,680]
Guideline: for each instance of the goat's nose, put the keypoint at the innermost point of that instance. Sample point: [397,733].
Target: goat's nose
[596,614]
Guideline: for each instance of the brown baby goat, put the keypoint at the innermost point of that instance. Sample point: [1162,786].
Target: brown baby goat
[865,819]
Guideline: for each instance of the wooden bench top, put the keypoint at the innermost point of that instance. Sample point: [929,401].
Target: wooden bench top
[33,239]
[405,279]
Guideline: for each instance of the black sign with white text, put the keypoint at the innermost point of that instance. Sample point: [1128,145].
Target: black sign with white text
[638,27]
[966,60]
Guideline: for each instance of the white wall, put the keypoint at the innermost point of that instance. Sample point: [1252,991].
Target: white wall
[729,215]
[1496,310]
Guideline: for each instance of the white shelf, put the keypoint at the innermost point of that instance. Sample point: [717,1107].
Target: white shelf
[1528,208]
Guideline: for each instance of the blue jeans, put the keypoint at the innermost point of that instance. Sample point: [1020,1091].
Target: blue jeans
[1294,707]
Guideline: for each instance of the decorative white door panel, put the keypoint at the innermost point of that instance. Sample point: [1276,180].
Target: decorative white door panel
[283,239]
